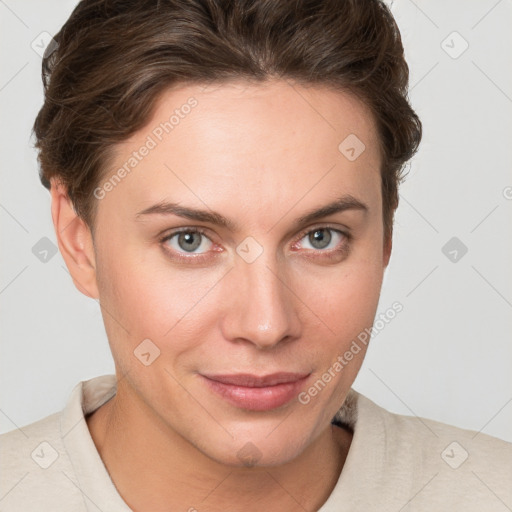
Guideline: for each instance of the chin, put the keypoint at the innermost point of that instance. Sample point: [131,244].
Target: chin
[259,448]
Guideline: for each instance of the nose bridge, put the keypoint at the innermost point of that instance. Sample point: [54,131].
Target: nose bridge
[264,312]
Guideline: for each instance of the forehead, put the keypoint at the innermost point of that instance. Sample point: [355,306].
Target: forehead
[276,108]
[266,143]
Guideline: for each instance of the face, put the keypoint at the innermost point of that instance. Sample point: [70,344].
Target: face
[211,275]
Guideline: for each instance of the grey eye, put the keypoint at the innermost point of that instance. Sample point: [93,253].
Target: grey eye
[320,238]
[189,241]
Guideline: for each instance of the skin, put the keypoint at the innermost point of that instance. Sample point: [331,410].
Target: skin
[261,155]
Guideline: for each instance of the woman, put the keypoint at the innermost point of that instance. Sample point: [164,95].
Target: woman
[224,177]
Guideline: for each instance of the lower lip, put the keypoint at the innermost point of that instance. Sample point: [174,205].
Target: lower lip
[257,399]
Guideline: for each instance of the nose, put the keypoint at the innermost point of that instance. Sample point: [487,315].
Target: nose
[261,309]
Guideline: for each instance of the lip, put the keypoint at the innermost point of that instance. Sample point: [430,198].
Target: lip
[257,393]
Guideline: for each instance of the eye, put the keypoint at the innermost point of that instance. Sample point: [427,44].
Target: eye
[191,241]
[325,239]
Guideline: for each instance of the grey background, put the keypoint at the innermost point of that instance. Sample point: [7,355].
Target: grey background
[446,356]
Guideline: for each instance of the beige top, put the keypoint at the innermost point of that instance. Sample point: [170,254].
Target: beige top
[395,463]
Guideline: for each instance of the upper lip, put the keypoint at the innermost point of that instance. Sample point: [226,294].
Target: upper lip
[257,381]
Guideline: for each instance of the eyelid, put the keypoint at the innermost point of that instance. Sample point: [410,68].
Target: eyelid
[174,231]
[344,231]
[203,230]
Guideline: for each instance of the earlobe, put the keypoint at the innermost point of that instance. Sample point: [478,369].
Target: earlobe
[75,241]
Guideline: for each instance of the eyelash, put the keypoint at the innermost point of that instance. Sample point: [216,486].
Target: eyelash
[343,250]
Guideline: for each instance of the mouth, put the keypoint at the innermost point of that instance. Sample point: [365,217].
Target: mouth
[257,393]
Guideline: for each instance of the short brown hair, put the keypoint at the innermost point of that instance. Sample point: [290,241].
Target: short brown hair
[114,58]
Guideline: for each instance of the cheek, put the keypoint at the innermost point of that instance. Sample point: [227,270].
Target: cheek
[152,299]
[346,302]
[344,299]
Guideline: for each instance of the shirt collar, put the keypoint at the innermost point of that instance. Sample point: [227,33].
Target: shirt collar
[94,481]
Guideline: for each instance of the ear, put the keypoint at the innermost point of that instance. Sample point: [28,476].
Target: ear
[388,245]
[75,241]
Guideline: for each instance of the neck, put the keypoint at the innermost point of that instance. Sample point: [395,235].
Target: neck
[155,468]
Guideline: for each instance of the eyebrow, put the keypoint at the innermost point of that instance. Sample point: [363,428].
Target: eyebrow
[343,203]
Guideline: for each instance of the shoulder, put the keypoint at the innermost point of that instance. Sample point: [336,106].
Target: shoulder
[35,444]
[427,463]
[37,474]
[423,435]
